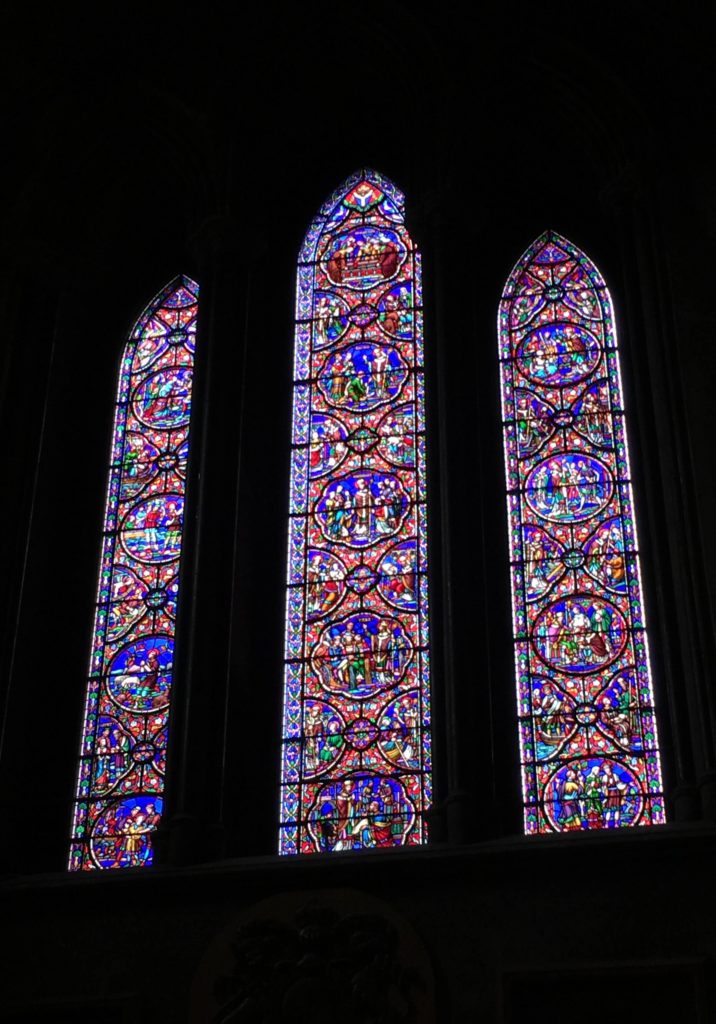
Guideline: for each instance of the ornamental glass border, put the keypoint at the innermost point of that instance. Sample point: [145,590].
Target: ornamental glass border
[118,799]
[356,756]
[587,728]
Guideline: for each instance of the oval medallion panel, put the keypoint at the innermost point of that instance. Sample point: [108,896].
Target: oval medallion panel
[568,488]
[558,354]
[362,258]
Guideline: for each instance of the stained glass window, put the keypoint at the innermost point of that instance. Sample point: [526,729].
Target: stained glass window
[122,759]
[356,727]
[588,735]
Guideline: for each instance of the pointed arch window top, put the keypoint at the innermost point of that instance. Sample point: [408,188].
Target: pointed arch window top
[118,801]
[356,737]
[364,192]
[588,736]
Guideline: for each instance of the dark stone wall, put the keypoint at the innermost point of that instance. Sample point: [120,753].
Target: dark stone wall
[551,930]
[202,143]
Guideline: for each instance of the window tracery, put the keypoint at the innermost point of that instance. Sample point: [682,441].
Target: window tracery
[356,747]
[588,735]
[118,800]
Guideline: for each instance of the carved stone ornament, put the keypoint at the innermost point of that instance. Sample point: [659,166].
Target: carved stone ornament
[330,958]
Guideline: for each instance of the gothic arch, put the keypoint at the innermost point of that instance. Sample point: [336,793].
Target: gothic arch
[588,736]
[356,754]
[120,785]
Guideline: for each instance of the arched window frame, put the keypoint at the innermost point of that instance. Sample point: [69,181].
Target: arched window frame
[120,784]
[588,734]
[360,796]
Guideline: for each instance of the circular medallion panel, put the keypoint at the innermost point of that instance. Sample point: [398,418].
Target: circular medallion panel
[580,633]
[361,655]
[120,836]
[362,377]
[362,508]
[360,812]
[140,675]
[163,400]
[151,531]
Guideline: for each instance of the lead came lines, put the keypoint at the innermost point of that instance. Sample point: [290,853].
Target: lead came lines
[587,728]
[355,728]
[121,774]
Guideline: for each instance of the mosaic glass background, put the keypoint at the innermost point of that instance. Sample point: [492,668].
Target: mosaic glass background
[588,737]
[356,727]
[124,739]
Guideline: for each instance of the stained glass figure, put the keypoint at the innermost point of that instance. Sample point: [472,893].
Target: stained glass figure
[356,728]
[588,736]
[124,739]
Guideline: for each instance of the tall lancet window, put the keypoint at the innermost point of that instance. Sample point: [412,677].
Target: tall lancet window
[356,727]
[587,729]
[124,739]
